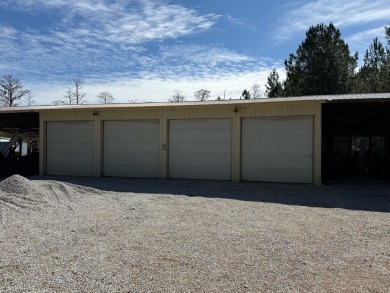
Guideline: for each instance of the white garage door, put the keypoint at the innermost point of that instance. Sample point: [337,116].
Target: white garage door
[131,148]
[70,148]
[200,149]
[277,149]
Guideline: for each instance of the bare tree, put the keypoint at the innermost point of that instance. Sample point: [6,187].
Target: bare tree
[177,97]
[79,96]
[256,91]
[69,97]
[28,99]
[202,95]
[73,97]
[105,98]
[11,91]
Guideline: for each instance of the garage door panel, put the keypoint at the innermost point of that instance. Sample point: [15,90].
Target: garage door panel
[186,161]
[125,171]
[296,148]
[282,175]
[77,135]
[136,148]
[147,136]
[278,135]
[199,124]
[64,147]
[129,126]
[77,159]
[130,160]
[194,172]
[276,162]
[200,149]
[69,126]
[131,148]
[201,135]
[70,148]
[70,170]
[277,149]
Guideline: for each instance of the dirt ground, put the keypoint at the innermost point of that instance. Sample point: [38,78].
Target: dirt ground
[72,234]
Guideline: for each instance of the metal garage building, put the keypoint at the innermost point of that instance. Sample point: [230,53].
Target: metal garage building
[273,140]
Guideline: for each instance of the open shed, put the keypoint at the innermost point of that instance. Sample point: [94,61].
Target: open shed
[20,137]
[301,139]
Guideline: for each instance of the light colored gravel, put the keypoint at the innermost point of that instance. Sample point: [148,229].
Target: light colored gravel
[68,234]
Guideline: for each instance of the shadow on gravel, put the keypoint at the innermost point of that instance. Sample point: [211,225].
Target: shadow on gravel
[368,197]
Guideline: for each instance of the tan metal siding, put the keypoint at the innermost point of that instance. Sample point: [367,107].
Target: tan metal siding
[196,111]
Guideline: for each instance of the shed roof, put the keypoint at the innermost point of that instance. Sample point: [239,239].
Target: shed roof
[320,99]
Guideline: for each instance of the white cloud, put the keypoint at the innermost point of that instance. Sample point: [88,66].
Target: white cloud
[105,43]
[158,89]
[366,37]
[95,37]
[241,22]
[360,41]
[117,22]
[208,54]
[342,13]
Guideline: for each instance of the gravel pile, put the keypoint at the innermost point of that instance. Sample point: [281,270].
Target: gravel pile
[142,235]
[19,194]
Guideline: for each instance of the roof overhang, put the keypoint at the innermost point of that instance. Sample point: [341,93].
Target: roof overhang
[22,122]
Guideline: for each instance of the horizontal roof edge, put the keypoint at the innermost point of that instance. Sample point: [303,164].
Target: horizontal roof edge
[302,99]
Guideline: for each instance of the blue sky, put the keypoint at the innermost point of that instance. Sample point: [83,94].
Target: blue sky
[142,50]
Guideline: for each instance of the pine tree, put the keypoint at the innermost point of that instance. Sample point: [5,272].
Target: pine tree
[273,86]
[246,95]
[373,75]
[322,64]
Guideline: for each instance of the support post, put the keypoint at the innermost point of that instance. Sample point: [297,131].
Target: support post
[236,145]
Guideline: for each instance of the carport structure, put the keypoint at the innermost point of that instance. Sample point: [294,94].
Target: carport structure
[272,140]
[356,137]
[20,127]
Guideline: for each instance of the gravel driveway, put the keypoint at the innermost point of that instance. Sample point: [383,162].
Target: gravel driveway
[68,234]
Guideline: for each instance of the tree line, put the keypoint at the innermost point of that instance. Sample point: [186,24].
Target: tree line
[12,93]
[322,65]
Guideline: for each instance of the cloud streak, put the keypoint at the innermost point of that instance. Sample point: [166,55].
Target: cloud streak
[159,89]
[94,34]
[121,46]
[342,13]
[120,22]
[241,22]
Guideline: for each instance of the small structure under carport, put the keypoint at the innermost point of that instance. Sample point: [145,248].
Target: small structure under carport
[273,140]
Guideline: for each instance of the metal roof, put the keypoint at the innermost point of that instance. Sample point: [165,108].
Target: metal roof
[321,99]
